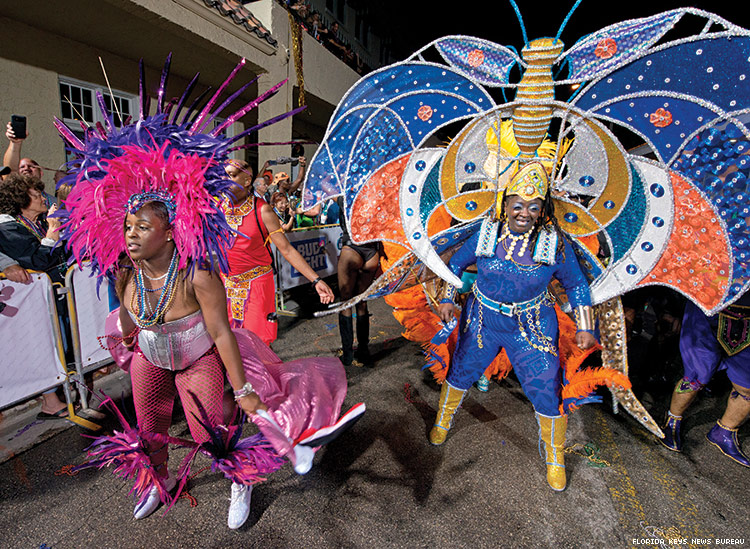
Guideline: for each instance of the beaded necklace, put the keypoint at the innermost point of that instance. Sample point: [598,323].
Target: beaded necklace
[155,278]
[523,238]
[521,266]
[33,227]
[146,315]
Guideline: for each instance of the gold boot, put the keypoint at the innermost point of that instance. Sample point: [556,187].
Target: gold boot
[552,433]
[450,399]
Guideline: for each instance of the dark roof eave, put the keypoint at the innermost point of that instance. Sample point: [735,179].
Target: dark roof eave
[246,20]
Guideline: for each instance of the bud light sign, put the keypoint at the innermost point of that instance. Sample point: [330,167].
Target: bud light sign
[314,252]
[319,248]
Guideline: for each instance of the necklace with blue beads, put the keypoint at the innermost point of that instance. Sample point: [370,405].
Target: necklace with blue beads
[146,315]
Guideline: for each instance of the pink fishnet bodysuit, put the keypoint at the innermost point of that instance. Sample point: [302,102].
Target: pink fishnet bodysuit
[200,386]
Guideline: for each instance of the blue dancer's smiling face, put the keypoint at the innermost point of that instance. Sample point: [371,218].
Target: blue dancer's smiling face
[522,214]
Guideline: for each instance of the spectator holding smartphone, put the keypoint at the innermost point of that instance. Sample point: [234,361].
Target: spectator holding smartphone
[24,166]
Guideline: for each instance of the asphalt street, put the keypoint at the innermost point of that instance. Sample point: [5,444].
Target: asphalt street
[383,485]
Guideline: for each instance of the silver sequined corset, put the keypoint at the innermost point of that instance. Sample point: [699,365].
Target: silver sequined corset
[177,344]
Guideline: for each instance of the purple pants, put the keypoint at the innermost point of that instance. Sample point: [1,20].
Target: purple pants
[702,356]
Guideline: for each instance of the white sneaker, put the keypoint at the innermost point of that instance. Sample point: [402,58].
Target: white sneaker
[152,501]
[303,455]
[239,505]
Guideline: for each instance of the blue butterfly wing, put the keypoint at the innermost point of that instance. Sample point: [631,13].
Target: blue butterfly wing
[669,94]
[385,115]
[477,59]
[617,44]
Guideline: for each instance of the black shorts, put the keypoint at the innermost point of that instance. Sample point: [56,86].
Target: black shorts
[365,251]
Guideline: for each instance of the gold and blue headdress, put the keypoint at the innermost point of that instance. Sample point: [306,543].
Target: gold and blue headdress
[529,182]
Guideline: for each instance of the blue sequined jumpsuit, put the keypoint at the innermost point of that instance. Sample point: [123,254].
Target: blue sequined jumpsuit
[483,332]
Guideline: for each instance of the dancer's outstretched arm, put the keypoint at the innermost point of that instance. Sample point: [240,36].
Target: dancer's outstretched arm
[271,221]
[211,296]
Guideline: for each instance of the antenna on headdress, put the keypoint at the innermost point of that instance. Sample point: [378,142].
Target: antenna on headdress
[111,95]
[520,21]
[567,18]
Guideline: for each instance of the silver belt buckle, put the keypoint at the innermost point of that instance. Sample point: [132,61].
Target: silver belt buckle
[508,309]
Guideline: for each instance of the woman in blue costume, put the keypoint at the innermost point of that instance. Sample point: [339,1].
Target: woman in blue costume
[517,255]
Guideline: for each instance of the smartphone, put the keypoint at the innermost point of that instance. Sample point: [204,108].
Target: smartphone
[18,125]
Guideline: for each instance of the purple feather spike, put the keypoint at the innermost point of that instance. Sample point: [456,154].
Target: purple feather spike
[184,97]
[147,104]
[104,110]
[231,98]
[142,90]
[163,83]
[194,105]
[199,122]
[170,106]
[268,122]
[247,108]
[68,135]
[100,129]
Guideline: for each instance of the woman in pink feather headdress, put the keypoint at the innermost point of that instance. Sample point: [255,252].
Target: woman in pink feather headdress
[145,209]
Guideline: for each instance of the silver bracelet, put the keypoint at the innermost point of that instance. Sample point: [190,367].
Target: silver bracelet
[245,390]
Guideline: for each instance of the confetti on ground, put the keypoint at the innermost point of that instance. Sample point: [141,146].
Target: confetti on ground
[590,451]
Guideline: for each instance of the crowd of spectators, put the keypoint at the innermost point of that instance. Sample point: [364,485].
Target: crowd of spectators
[29,240]
[285,197]
[329,36]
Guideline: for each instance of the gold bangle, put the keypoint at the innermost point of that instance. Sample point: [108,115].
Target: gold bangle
[584,316]
[450,292]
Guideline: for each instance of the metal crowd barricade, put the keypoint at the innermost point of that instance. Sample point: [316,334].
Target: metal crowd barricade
[32,357]
[88,309]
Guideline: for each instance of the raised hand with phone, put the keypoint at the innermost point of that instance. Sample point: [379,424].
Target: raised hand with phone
[16,131]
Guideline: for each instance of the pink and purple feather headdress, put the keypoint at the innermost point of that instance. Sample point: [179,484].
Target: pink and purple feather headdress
[160,153]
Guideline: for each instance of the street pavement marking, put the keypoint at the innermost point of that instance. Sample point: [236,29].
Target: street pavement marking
[685,513]
[624,497]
